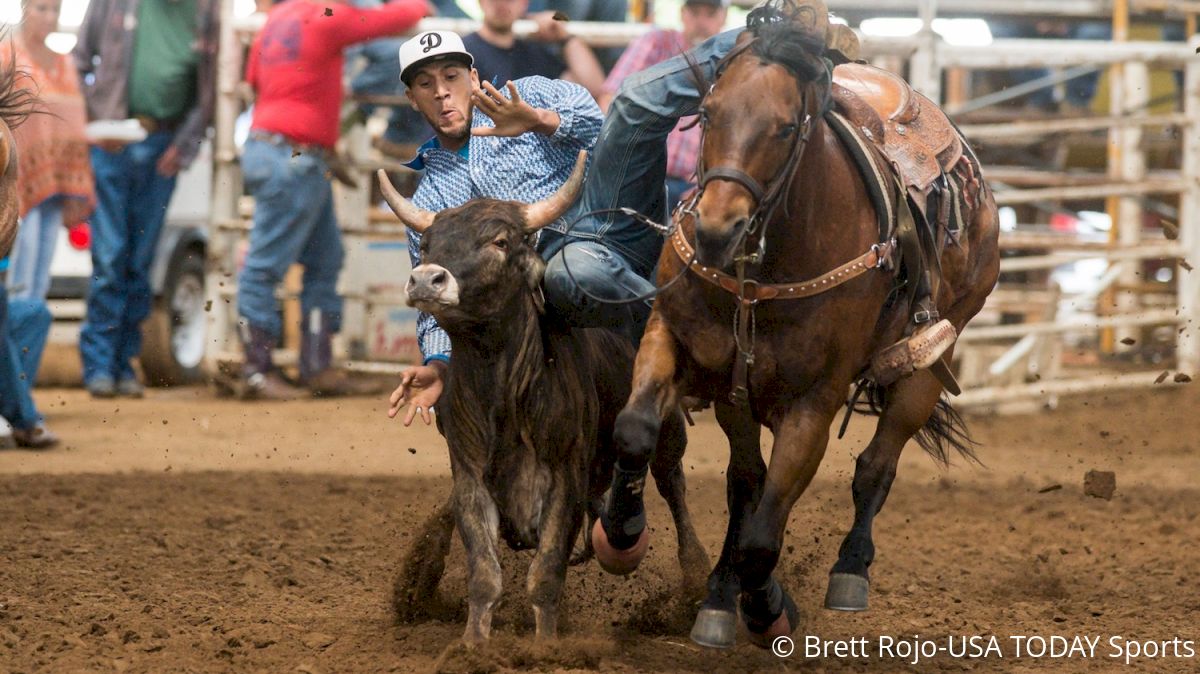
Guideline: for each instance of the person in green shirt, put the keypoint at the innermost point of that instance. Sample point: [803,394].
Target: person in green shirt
[154,61]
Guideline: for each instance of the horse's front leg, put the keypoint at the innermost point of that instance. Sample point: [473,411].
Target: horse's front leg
[478,524]
[620,537]
[716,623]
[800,440]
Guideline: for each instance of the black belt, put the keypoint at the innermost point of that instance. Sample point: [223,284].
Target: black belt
[153,125]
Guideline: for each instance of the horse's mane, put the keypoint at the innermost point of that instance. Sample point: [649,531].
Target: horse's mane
[16,101]
[782,36]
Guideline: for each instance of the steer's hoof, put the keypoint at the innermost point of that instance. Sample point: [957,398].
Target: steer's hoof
[847,592]
[783,626]
[614,561]
[715,628]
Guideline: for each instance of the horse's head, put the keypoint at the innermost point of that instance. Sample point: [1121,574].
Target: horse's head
[478,258]
[769,92]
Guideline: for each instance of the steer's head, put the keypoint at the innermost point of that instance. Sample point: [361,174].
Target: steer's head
[478,258]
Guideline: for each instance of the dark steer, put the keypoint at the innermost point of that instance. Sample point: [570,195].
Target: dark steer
[529,403]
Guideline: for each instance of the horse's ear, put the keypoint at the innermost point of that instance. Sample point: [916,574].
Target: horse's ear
[743,37]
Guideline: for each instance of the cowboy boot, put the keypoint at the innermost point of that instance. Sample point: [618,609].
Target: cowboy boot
[316,362]
[261,381]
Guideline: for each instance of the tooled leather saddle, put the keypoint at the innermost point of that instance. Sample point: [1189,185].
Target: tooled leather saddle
[908,128]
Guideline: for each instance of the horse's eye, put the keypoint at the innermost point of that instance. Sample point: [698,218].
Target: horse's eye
[704,118]
[787,130]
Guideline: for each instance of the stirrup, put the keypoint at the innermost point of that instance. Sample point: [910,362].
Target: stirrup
[915,352]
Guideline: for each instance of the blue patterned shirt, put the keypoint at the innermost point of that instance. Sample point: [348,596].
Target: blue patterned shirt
[527,168]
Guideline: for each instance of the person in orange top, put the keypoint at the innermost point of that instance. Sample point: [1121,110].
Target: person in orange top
[54,185]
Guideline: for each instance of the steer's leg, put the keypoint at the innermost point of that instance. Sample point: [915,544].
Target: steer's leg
[559,527]
[716,623]
[620,537]
[800,440]
[910,402]
[478,524]
[667,469]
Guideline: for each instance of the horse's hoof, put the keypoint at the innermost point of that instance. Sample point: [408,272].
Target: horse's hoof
[847,592]
[715,628]
[783,626]
[614,561]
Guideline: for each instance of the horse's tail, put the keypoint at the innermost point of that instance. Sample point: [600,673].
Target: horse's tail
[945,430]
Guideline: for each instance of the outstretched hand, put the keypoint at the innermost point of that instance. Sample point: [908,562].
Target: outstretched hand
[512,115]
[420,387]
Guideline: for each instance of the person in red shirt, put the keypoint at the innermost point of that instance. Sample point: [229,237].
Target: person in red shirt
[295,67]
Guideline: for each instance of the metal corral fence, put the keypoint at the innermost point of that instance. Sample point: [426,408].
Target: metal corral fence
[1016,350]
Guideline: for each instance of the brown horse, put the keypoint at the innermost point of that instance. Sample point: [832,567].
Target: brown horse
[783,210]
[16,102]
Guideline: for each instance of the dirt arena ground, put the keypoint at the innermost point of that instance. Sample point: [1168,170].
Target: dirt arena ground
[189,533]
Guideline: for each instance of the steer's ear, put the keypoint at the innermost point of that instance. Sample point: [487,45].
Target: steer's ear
[535,269]
[549,209]
[418,219]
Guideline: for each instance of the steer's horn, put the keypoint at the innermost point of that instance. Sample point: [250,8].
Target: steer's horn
[547,210]
[418,219]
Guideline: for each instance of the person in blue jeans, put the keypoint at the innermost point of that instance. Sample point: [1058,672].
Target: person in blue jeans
[154,61]
[24,325]
[610,254]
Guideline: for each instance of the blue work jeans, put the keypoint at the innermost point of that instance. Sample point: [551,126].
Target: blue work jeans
[611,255]
[293,222]
[29,267]
[132,198]
[24,326]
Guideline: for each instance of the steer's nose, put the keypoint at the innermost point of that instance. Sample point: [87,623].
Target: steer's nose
[432,283]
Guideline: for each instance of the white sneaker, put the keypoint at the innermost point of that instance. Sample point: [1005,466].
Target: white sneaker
[6,436]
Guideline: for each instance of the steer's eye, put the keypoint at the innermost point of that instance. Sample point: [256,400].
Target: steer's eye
[502,244]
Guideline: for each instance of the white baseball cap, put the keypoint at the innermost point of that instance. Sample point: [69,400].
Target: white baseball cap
[433,45]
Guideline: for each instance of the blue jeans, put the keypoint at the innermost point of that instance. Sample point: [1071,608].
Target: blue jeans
[24,326]
[132,204]
[628,169]
[29,268]
[293,222]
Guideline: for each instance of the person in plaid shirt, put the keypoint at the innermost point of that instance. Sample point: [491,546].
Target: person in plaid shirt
[701,19]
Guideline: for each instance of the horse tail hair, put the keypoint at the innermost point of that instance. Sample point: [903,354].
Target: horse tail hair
[944,432]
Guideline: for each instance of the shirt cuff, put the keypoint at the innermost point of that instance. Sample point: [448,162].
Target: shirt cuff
[437,356]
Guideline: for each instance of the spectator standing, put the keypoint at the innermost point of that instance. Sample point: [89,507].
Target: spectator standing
[153,60]
[700,19]
[295,67]
[613,11]
[24,325]
[500,56]
[54,182]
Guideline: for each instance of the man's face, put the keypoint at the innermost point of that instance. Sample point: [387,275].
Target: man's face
[701,21]
[499,15]
[441,91]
